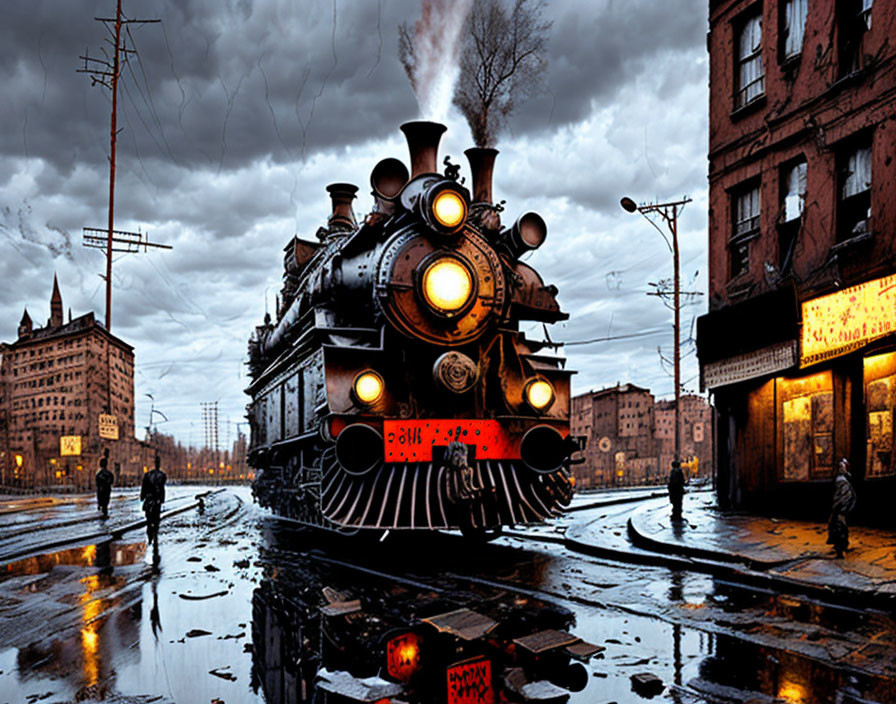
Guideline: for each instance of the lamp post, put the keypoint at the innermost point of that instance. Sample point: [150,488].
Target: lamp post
[668,212]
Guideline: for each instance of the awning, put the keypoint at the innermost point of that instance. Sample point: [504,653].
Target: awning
[750,339]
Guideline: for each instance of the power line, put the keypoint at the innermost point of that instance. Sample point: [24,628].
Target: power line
[643,333]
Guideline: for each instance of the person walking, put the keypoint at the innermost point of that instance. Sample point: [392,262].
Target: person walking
[104,481]
[152,493]
[844,501]
[676,489]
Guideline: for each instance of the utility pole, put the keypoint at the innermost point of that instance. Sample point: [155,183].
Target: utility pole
[106,73]
[668,212]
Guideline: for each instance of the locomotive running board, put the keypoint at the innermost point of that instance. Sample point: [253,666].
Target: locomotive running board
[414,495]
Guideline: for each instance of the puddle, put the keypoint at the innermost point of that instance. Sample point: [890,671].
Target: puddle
[102,555]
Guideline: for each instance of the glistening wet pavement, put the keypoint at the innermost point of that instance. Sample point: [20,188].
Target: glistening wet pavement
[103,622]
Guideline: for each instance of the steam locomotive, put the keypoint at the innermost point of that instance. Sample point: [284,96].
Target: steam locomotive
[395,390]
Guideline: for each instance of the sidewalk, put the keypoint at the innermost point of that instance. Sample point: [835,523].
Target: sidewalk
[795,551]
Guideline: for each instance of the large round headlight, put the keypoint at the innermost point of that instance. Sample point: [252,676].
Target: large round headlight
[447,285]
[449,209]
[368,387]
[539,394]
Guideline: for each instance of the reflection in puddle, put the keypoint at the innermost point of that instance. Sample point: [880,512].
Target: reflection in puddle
[101,555]
[360,642]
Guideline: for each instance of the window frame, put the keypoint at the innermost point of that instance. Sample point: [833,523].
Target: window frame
[740,238]
[850,208]
[741,88]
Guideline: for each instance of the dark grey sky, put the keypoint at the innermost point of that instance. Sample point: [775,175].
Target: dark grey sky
[237,114]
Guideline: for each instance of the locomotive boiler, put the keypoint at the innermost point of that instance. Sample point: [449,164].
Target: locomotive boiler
[396,389]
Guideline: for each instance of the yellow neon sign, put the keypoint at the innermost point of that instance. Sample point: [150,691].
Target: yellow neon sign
[844,321]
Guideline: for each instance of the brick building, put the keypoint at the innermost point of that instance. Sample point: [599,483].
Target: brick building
[798,346]
[55,383]
[630,436]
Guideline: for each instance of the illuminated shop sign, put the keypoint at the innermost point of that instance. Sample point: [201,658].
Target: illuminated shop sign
[70,445]
[841,322]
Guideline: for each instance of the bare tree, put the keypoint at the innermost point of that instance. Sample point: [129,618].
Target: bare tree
[501,63]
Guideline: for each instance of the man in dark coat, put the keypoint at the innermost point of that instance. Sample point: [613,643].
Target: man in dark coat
[676,489]
[842,505]
[104,481]
[152,493]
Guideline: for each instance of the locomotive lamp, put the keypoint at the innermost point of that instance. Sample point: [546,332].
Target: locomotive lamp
[449,209]
[368,387]
[539,394]
[443,207]
[447,285]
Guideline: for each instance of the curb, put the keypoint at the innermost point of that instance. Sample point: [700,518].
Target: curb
[840,596]
[104,536]
[640,538]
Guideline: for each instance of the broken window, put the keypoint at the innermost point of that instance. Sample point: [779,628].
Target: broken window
[795,12]
[793,202]
[855,21]
[745,207]
[749,71]
[854,211]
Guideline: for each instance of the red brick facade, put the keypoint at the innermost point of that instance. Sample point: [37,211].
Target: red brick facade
[802,205]
[56,380]
[629,436]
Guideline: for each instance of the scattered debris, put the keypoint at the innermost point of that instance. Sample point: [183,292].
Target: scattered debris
[647,684]
[211,568]
[219,672]
[200,597]
[196,632]
[232,636]
[194,558]
[242,564]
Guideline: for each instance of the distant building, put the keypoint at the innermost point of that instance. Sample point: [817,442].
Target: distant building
[799,345]
[58,385]
[630,436]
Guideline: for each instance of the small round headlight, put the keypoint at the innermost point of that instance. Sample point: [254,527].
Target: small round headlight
[447,285]
[449,209]
[368,387]
[539,394]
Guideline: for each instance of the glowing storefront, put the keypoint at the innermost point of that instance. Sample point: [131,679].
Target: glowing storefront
[797,386]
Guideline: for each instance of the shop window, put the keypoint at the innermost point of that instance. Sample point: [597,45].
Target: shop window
[749,73]
[807,432]
[745,226]
[880,405]
[795,12]
[854,206]
[854,23]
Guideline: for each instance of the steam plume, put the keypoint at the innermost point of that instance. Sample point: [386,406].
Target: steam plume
[429,54]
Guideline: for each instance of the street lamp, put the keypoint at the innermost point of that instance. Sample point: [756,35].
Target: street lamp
[669,213]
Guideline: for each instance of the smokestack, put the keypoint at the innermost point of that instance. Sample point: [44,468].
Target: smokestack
[342,195]
[387,179]
[423,143]
[482,164]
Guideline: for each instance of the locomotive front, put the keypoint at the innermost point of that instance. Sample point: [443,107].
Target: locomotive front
[396,389]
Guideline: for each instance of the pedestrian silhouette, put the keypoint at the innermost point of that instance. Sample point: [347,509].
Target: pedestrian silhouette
[152,493]
[844,501]
[104,481]
[676,489]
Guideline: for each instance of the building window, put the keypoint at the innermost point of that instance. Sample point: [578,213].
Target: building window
[793,202]
[855,21]
[854,207]
[745,207]
[749,73]
[880,401]
[795,12]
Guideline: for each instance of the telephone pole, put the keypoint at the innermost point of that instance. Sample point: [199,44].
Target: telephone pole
[106,73]
[668,212]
